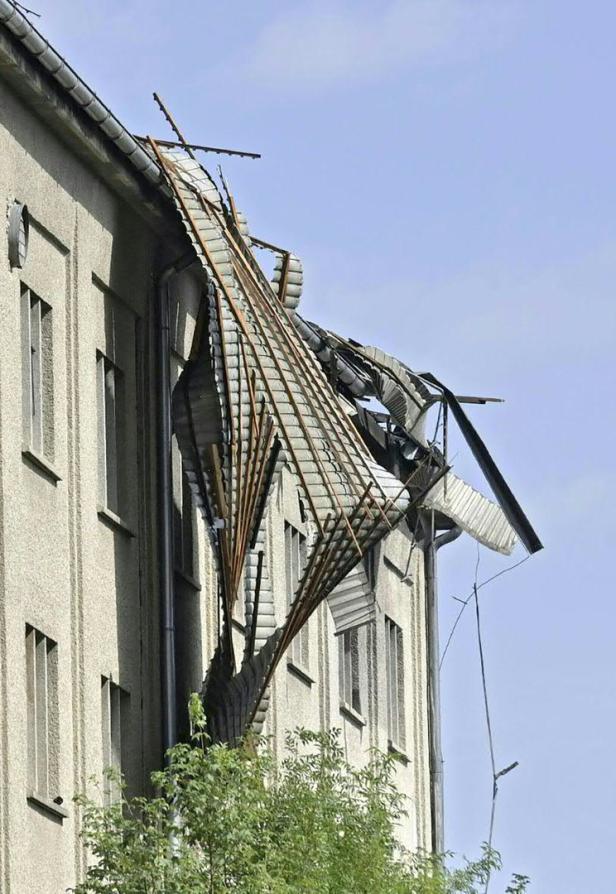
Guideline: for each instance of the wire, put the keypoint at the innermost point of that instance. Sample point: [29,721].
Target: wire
[30,12]
[466,601]
[496,775]
[486,705]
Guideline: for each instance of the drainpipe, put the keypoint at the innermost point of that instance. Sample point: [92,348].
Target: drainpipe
[165,502]
[433,544]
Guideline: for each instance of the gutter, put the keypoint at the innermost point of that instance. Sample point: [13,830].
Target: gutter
[58,68]
[434,684]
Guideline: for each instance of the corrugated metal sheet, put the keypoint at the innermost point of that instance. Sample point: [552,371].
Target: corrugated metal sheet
[287,382]
[266,620]
[407,398]
[346,373]
[263,372]
[195,175]
[352,602]
[403,393]
[231,704]
[242,225]
[376,373]
[474,513]
[295,280]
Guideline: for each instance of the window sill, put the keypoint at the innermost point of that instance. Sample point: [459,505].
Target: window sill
[187,578]
[47,806]
[351,714]
[300,673]
[114,521]
[398,751]
[40,465]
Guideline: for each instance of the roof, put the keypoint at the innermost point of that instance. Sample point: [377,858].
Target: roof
[40,50]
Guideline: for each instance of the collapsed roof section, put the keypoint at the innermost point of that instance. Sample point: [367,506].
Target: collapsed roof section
[264,388]
[366,372]
[252,392]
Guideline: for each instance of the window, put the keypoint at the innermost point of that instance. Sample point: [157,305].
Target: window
[110,432]
[369,561]
[183,517]
[394,662]
[295,558]
[37,368]
[114,707]
[43,727]
[348,654]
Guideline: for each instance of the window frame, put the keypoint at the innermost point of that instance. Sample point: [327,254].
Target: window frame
[395,680]
[184,521]
[43,725]
[37,375]
[114,722]
[295,551]
[111,429]
[349,672]
[370,563]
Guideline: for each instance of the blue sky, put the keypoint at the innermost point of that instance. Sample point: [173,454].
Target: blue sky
[445,169]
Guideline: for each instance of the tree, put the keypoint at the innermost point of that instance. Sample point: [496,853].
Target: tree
[230,819]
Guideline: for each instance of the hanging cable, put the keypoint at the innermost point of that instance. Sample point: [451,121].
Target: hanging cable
[495,775]
[466,601]
[25,9]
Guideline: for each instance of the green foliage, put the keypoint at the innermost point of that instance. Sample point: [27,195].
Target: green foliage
[230,819]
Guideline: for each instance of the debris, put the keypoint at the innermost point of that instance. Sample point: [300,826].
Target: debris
[264,388]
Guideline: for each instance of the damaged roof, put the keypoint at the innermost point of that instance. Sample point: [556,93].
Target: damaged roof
[266,389]
[290,392]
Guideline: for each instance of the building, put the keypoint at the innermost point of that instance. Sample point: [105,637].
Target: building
[261,509]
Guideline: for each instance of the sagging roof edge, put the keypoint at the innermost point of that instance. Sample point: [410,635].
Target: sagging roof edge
[59,69]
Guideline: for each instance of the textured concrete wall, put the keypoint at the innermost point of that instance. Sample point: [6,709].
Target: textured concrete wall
[85,577]
[80,578]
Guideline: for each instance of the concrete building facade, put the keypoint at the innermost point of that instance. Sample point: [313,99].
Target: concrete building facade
[79,611]
[80,628]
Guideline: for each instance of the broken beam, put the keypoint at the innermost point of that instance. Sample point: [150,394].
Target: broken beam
[171,144]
